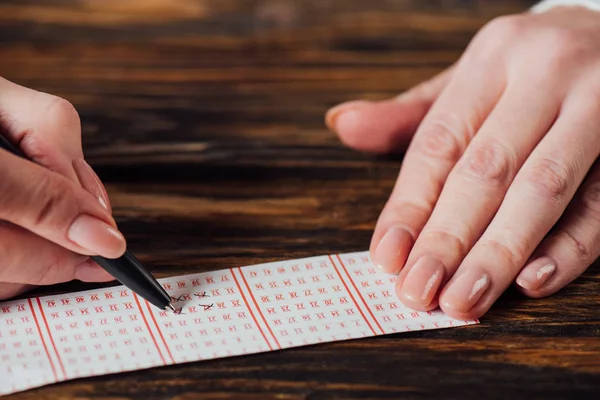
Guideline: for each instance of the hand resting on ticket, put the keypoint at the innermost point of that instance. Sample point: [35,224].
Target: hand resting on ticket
[500,183]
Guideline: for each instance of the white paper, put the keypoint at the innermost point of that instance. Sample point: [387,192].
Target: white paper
[224,313]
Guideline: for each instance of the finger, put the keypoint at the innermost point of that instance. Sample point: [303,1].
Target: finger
[47,263]
[533,204]
[56,208]
[570,248]
[438,144]
[10,290]
[47,129]
[385,126]
[474,190]
[89,271]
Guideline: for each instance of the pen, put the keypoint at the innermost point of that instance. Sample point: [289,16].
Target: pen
[126,269]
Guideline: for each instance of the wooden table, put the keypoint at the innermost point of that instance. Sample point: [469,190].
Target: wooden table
[205,119]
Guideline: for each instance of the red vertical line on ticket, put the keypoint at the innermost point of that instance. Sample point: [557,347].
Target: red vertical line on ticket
[252,313]
[62,367]
[358,291]
[149,330]
[354,300]
[37,324]
[258,308]
[160,333]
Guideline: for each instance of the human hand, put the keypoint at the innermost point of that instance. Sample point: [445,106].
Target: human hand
[500,182]
[54,212]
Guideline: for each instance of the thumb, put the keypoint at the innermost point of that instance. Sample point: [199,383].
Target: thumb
[56,208]
[388,125]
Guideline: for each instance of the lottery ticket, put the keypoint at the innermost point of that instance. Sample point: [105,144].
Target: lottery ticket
[232,312]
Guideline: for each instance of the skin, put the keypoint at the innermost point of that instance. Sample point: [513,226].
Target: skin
[55,211]
[500,182]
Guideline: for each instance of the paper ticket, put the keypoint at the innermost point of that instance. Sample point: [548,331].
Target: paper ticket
[224,313]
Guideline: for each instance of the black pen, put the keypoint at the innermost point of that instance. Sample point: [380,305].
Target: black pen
[126,269]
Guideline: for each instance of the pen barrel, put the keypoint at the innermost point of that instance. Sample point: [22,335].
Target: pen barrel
[131,273]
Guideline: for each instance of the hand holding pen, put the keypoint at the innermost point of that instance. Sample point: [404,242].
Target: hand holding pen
[55,212]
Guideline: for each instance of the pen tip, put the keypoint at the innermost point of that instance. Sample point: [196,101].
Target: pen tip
[170,307]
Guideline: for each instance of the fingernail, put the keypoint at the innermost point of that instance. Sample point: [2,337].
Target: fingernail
[422,281]
[91,182]
[536,274]
[393,248]
[465,292]
[97,237]
[333,115]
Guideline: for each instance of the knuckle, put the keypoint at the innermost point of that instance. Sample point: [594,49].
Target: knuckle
[440,137]
[503,29]
[561,46]
[561,49]
[489,163]
[577,247]
[400,205]
[449,242]
[409,212]
[506,26]
[550,179]
[515,253]
[63,112]
[37,149]
[55,198]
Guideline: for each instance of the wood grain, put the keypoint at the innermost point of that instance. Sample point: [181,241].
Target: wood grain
[205,119]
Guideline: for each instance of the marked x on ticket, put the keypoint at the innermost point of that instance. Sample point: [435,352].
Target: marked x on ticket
[224,313]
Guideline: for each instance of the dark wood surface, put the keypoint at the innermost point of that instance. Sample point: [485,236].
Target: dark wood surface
[205,119]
